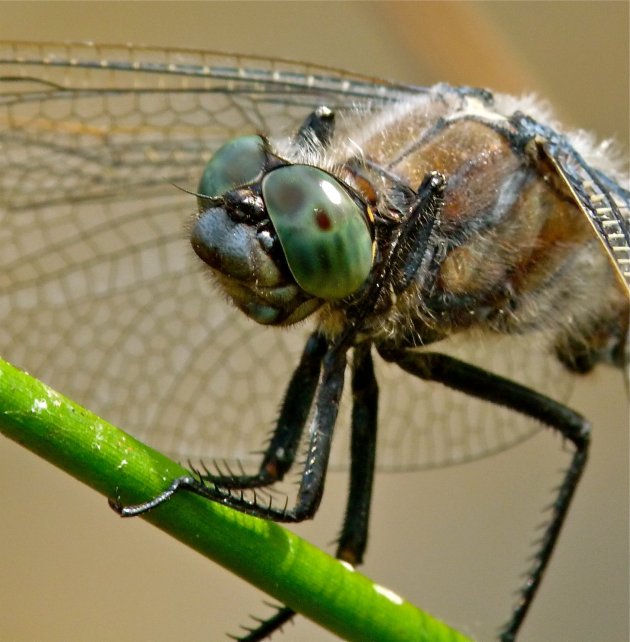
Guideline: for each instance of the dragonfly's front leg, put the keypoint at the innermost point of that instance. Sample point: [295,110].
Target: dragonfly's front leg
[415,245]
[353,537]
[281,450]
[312,483]
[280,453]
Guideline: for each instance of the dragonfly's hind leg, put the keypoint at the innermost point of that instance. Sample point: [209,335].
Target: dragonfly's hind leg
[498,390]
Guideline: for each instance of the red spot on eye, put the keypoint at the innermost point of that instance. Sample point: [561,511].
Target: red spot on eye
[323,220]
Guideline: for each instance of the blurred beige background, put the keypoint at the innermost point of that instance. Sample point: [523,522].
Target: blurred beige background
[72,571]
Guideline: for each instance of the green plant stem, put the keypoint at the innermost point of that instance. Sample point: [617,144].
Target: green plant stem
[275,560]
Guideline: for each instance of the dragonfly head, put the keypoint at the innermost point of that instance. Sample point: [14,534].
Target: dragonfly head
[281,238]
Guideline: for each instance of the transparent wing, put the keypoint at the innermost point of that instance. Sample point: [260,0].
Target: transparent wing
[100,294]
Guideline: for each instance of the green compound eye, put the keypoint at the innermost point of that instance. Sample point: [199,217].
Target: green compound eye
[238,162]
[323,232]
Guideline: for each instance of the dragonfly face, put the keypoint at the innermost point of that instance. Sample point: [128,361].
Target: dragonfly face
[456,222]
[282,236]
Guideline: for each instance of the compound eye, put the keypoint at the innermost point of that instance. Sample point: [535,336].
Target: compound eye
[239,162]
[323,232]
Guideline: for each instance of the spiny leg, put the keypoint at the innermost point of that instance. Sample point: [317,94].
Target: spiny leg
[498,390]
[267,627]
[410,252]
[354,532]
[353,538]
[298,399]
[311,485]
[414,247]
[313,477]
[280,453]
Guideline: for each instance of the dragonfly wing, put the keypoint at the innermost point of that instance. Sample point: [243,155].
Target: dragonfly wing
[100,294]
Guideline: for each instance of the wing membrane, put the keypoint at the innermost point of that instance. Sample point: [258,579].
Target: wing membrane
[100,294]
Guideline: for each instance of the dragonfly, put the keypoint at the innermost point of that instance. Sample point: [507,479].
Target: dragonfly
[447,252]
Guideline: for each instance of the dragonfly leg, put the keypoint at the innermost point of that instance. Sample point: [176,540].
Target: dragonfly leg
[280,453]
[279,457]
[498,390]
[313,476]
[353,538]
[281,450]
[414,247]
[317,130]
[268,626]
